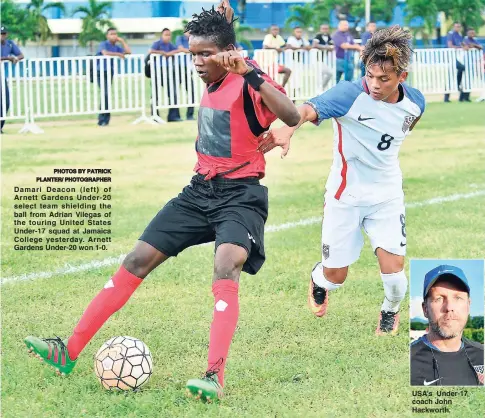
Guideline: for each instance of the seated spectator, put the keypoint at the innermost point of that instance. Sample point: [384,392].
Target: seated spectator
[323,39]
[273,40]
[297,41]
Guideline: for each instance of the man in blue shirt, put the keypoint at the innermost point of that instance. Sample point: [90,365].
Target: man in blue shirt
[167,49]
[182,44]
[370,29]
[12,53]
[455,40]
[110,49]
[344,51]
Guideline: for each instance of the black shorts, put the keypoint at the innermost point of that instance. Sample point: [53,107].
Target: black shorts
[230,211]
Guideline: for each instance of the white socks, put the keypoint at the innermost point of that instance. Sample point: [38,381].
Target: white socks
[395,286]
[320,280]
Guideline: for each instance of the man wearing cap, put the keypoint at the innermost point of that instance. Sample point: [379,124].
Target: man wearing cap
[442,357]
[12,53]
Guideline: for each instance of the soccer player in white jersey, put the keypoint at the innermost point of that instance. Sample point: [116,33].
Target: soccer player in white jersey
[371,118]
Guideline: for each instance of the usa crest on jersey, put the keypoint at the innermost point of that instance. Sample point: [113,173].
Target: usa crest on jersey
[408,121]
[479,372]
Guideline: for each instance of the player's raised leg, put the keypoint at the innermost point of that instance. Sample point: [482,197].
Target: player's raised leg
[62,355]
[342,243]
[228,263]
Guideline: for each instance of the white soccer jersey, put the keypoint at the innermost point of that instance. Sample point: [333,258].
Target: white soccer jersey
[367,137]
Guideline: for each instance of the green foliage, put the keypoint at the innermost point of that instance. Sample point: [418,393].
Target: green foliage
[418,326]
[18,21]
[314,14]
[477,322]
[467,12]
[478,335]
[177,32]
[36,9]
[95,22]
[241,32]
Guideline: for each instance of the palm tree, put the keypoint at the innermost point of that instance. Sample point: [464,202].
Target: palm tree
[241,32]
[95,22]
[36,9]
[303,16]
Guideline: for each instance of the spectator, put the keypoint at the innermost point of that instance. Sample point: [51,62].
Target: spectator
[470,43]
[273,40]
[455,40]
[109,48]
[166,49]
[370,29]
[297,41]
[344,47]
[12,53]
[323,41]
[182,44]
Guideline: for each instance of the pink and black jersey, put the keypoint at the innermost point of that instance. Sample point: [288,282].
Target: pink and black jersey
[232,117]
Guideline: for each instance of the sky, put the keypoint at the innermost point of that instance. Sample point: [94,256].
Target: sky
[474,272]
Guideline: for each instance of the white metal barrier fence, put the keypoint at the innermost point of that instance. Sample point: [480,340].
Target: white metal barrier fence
[64,87]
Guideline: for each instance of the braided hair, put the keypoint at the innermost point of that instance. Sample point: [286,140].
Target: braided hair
[213,25]
[389,44]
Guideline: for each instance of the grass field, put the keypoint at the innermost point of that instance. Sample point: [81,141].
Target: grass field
[283,361]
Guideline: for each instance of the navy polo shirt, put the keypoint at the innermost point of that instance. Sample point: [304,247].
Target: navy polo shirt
[10,48]
[182,41]
[108,46]
[455,38]
[165,47]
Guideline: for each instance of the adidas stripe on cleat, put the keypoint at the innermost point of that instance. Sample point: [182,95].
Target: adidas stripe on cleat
[52,351]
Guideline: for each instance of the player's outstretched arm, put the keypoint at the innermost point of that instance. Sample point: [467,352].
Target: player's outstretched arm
[280,137]
[277,102]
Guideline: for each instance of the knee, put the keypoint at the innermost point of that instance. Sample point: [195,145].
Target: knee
[227,269]
[336,276]
[229,261]
[137,263]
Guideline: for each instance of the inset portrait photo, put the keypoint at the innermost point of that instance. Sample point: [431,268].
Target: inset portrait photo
[446,322]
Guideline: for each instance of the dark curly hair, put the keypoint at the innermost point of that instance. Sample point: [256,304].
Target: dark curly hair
[389,44]
[213,25]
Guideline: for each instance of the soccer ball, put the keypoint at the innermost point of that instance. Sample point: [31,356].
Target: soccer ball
[123,363]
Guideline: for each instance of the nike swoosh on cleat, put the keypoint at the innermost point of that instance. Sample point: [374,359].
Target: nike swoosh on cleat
[360,118]
[403,245]
[430,383]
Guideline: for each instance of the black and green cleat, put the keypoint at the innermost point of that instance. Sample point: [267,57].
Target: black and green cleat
[207,388]
[52,351]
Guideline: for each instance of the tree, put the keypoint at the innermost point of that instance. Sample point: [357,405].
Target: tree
[18,21]
[467,12]
[36,9]
[95,22]
[303,16]
[352,9]
[425,9]
[241,31]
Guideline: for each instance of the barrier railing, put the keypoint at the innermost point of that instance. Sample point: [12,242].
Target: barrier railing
[65,87]
[14,93]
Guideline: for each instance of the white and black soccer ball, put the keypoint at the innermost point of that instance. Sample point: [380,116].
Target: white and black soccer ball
[123,363]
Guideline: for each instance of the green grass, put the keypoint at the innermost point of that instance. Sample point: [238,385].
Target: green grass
[283,361]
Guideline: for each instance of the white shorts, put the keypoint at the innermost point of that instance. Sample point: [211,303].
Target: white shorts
[342,238]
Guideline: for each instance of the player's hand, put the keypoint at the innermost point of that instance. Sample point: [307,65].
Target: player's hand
[231,61]
[279,137]
[225,6]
